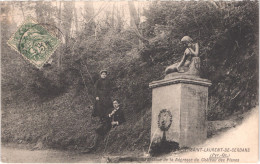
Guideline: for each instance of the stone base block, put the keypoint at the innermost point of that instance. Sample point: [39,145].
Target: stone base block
[181,103]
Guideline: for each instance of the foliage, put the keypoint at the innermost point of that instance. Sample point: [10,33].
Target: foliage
[227,35]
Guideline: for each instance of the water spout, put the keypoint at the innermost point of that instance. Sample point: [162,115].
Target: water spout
[152,141]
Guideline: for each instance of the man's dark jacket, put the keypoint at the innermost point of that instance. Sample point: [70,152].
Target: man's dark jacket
[106,122]
[104,105]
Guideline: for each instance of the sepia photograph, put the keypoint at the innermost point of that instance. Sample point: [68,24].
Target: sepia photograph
[129,81]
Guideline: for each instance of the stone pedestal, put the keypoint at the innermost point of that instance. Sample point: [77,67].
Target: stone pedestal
[179,104]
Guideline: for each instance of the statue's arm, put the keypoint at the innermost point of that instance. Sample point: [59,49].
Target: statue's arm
[196,52]
[182,60]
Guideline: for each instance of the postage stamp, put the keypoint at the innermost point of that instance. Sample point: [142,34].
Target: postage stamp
[34,42]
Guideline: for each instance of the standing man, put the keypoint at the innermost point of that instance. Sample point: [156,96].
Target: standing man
[103,103]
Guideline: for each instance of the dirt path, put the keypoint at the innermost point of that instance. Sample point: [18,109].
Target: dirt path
[17,155]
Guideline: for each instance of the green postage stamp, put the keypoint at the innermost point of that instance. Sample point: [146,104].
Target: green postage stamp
[34,42]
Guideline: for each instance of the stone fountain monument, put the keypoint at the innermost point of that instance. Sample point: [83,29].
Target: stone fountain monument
[179,102]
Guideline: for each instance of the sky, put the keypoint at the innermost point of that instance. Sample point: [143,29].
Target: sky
[18,16]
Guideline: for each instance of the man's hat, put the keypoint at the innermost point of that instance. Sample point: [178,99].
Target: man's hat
[103,71]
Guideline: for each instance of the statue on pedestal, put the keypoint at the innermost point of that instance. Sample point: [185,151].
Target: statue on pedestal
[190,62]
[180,103]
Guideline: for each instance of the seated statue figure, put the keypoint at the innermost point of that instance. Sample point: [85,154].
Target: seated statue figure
[190,61]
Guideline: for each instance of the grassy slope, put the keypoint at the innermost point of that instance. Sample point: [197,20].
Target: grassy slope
[39,107]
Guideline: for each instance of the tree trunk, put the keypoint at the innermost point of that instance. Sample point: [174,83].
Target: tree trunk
[112,16]
[21,5]
[135,20]
[59,58]
[76,19]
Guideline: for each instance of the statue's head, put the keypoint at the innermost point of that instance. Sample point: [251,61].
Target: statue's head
[187,41]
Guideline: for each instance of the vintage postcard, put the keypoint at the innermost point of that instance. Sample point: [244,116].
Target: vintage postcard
[129,81]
